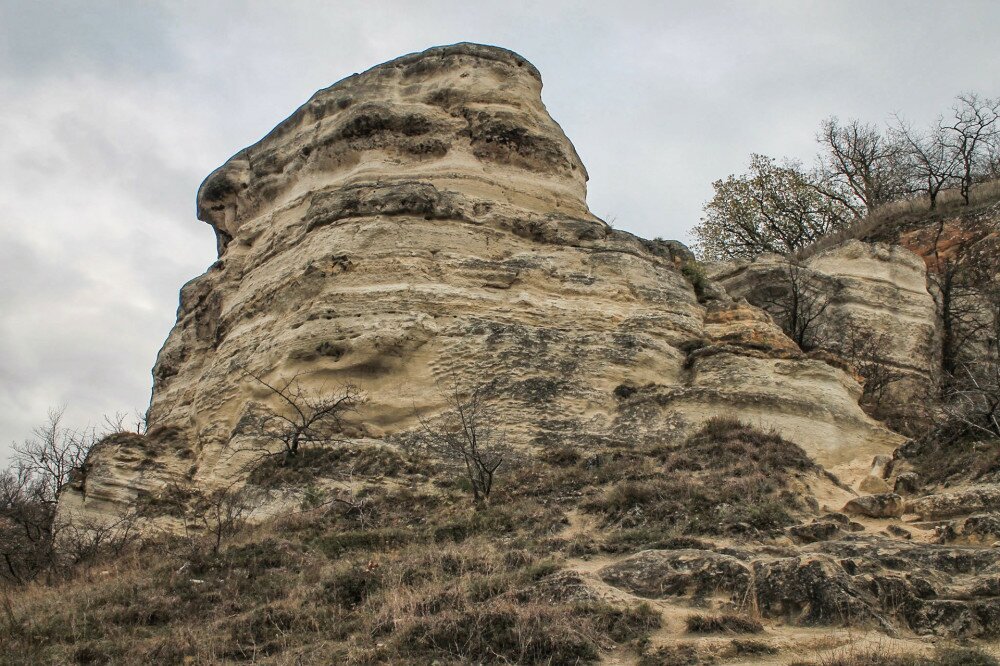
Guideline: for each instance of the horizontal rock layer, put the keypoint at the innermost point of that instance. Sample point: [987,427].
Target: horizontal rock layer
[424,224]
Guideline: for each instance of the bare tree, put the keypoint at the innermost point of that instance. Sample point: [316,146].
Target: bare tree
[973,401]
[26,514]
[32,541]
[54,454]
[968,297]
[771,208]
[303,417]
[973,125]
[83,540]
[866,349]
[224,511]
[123,422]
[797,301]
[933,163]
[469,437]
[863,160]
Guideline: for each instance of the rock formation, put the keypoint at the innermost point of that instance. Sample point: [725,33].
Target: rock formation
[881,289]
[424,223]
[423,226]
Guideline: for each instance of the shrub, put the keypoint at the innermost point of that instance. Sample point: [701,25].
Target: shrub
[726,623]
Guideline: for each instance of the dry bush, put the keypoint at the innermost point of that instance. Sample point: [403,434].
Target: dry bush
[468,437]
[302,417]
[883,655]
[724,623]
[728,478]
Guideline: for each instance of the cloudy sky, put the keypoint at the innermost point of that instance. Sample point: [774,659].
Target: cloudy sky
[111,113]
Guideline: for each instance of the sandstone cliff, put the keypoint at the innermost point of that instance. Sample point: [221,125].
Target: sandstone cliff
[425,221]
[425,224]
[880,289]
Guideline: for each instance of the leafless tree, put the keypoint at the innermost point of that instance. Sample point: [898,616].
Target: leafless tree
[933,162]
[973,401]
[469,437]
[970,129]
[33,541]
[123,422]
[224,511]
[54,454]
[302,417]
[81,540]
[863,160]
[797,300]
[26,514]
[866,349]
[965,275]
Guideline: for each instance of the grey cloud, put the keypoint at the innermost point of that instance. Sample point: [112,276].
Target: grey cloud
[113,112]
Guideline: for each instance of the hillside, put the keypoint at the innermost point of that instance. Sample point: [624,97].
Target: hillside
[427,408]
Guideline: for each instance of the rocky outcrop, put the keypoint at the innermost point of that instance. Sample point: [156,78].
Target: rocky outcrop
[880,505]
[871,287]
[860,580]
[424,223]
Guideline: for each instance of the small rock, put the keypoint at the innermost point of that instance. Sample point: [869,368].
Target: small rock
[982,526]
[873,484]
[882,505]
[880,466]
[898,531]
[907,482]
[818,530]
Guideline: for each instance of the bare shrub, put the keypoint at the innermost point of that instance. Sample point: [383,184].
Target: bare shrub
[469,437]
[29,490]
[223,512]
[797,301]
[867,350]
[303,417]
[972,400]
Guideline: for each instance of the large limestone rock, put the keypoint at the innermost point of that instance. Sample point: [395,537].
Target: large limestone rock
[425,222]
[872,286]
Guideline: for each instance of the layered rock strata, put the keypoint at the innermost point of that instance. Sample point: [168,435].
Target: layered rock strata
[424,224]
[871,288]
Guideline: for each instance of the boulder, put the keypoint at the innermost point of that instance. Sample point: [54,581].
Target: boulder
[695,574]
[882,505]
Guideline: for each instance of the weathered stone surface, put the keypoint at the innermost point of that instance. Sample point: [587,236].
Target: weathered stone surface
[906,483]
[812,590]
[425,222]
[860,580]
[982,526]
[974,499]
[883,505]
[697,574]
[880,287]
[817,530]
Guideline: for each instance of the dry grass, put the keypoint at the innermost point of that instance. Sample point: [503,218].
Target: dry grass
[724,623]
[878,225]
[883,655]
[727,479]
[425,580]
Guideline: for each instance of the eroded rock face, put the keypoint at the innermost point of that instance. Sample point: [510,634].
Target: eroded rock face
[872,286]
[425,223]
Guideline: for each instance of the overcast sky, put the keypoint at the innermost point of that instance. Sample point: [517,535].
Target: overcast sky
[111,114]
